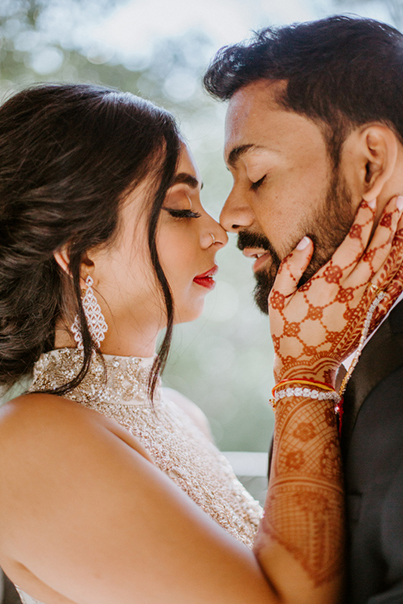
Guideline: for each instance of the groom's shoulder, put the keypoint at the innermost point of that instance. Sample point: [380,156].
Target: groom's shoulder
[373,445]
[381,358]
[378,430]
[373,438]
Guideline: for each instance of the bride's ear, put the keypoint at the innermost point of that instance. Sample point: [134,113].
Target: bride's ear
[373,151]
[63,260]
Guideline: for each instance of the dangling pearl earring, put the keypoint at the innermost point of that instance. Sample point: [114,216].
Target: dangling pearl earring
[95,319]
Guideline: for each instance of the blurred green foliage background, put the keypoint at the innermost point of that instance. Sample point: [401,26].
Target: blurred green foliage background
[223,360]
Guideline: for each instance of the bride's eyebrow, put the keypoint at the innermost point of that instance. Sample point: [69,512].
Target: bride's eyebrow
[187,179]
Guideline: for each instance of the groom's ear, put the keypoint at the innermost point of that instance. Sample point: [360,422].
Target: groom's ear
[370,155]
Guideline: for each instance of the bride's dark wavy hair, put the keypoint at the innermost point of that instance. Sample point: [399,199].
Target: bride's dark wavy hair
[69,156]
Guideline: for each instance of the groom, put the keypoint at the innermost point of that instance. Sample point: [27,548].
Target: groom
[315,125]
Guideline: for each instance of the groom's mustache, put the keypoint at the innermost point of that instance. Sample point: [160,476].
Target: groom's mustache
[247,239]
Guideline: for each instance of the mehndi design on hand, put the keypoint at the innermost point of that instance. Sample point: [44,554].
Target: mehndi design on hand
[305,500]
[331,307]
[314,328]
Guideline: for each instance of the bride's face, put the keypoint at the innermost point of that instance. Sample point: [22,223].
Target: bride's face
[187,240]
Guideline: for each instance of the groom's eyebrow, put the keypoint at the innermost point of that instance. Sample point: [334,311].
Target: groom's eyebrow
[237,152]
[187,179]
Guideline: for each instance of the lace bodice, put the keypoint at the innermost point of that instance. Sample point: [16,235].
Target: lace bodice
[118,390]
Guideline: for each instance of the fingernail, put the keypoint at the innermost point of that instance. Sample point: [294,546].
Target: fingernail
[399,203]
[303,243]
[372,204]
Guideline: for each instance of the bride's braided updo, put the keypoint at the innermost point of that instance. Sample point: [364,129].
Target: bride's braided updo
[69,155]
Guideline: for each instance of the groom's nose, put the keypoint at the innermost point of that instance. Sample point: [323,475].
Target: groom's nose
[236,213]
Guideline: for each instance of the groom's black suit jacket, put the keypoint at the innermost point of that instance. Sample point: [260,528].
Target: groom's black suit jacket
[372,446]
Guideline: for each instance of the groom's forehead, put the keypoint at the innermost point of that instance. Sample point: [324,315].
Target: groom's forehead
[250,101]
[255,121]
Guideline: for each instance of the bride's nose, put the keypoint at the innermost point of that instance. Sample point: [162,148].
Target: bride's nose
[214,234]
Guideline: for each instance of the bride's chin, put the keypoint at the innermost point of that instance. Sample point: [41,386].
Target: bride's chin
[188,315]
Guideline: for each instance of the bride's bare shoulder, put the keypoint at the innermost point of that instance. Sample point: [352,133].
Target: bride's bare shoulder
[36,413]
[36,403]
[86,517]
[40,413]
[45,421]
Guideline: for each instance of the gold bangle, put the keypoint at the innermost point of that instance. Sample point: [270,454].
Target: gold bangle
[313,383]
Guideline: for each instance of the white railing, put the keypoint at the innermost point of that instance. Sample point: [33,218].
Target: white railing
[251,469]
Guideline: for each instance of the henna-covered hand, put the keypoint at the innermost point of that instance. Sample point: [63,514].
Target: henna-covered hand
[316,326]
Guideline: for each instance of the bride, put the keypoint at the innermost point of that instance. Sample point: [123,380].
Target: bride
[110,491]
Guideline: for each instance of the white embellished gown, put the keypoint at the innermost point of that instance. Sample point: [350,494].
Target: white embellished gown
[175,443]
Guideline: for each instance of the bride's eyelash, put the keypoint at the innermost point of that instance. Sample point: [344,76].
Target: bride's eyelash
[256,185]
[182,213]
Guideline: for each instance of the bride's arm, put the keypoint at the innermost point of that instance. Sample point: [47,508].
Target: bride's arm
[314,328]
[87,518]
[301,538]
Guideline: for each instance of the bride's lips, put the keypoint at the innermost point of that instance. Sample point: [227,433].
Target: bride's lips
[206,279]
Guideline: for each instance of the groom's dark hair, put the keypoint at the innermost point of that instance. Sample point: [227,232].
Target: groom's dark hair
[341,72]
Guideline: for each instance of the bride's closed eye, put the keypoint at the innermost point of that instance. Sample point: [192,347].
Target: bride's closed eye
[179,214]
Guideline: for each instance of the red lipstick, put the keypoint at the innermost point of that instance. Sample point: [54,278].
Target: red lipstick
[206,279]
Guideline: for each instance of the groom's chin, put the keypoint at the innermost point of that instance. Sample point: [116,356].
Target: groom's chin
[264,283]
[265,280]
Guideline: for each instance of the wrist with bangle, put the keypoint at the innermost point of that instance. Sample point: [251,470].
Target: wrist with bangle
[312,389]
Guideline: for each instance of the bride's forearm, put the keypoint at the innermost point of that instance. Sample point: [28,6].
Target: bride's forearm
[300,543]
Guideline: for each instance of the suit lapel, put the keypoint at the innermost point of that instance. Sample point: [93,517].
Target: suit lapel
[380,357]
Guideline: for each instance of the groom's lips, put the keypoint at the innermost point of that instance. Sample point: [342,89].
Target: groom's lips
[260,254]
[206,279]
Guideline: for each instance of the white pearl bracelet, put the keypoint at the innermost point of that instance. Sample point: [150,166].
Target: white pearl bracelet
[319,395]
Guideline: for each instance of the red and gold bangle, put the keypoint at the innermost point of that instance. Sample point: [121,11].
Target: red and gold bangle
[322,385]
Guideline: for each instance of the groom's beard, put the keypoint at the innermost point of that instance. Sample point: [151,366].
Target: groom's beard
[327,228]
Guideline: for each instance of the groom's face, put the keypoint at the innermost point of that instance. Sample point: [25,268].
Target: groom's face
[284,185]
